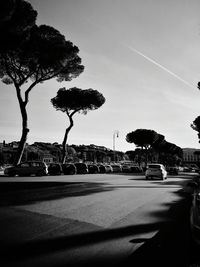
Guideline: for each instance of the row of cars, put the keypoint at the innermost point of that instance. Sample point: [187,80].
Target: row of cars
[39,168]
[173,170]
[83,168]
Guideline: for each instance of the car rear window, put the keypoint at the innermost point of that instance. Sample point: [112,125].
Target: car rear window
[154,166]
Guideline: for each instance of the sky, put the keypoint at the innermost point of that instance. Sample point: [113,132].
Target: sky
[142,55]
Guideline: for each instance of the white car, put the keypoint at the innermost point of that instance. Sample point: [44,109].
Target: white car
[156,171]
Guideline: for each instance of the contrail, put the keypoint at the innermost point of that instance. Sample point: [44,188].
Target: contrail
[160,66]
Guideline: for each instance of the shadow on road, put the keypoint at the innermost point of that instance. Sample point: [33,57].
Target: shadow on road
[37,247]
[170,247]
[178,182]
[19,193]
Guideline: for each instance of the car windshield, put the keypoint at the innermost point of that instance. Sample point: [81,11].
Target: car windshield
[154,166]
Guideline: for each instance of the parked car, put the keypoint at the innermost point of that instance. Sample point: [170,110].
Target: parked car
[187,169]
[93,168]
[194,169]
[180,168]
[172,170]
[102,168]
[116,167]
[55,169]
[156,171]
[81,168]
[1,170]
[69,168]
[126,168]
[108,168]
[27,168]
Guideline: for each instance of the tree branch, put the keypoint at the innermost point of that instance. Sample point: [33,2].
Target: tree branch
[8,71]
[28,91]
[73,112]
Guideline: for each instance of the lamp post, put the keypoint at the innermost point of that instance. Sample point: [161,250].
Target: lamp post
[115,134]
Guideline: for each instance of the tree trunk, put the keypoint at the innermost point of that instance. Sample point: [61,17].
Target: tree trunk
[25,129]
[65,139]
[24,135]
[146,156]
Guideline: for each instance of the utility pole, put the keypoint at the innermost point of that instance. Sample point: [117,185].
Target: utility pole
[115,134]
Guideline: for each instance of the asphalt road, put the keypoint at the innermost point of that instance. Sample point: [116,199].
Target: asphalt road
[90,220]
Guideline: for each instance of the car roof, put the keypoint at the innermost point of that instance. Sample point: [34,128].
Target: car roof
[155,164]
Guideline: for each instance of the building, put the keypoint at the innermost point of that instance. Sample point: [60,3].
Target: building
[191,156]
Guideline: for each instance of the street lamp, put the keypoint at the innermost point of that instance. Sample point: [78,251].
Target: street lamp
[115,134]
